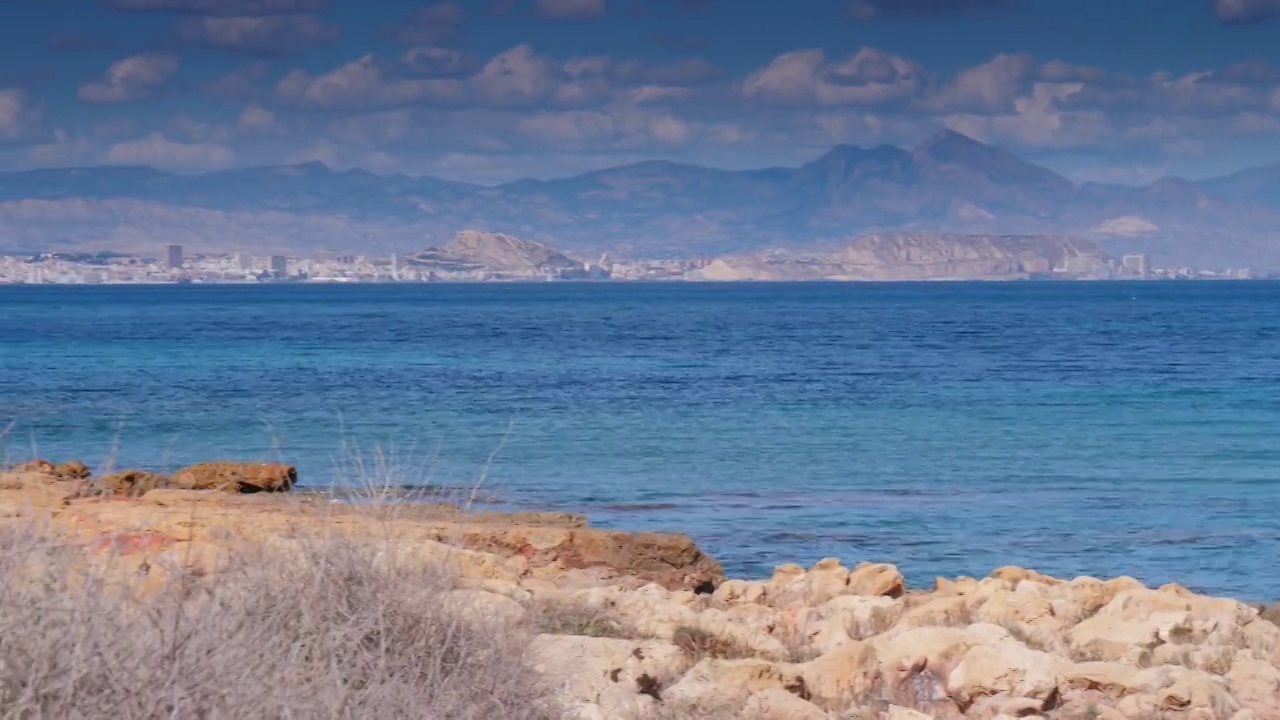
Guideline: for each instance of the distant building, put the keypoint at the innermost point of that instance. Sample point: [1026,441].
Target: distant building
[243,261]
[1136,265]
[279,266]
[175,256]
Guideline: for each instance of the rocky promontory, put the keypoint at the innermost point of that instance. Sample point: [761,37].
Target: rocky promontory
[645,625]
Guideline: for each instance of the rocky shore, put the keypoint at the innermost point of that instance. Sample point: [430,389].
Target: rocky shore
[645,625]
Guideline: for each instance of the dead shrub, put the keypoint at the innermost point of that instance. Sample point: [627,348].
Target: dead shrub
[326,629]
[700,645]
[567,617]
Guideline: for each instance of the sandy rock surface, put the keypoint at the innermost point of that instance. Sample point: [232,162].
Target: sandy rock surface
[646,626]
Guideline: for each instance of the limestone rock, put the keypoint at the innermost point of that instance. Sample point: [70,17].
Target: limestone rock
[72,470]
[877,579]
[1006,668]
[777,704]
[486,609]
[849,670]
[897,712]
[725,682]
[1256,685]
[608,672]
[1017,575]
[131,483]
[236,477]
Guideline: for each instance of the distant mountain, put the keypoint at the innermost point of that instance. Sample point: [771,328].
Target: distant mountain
[475,255]
[921,256]
[949,183]
[1257,185]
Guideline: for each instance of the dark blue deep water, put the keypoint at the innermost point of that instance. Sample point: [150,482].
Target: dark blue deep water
[1076,428]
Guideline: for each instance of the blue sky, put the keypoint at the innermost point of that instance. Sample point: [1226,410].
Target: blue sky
[492,90]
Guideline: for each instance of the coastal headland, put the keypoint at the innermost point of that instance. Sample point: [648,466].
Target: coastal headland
[646,625]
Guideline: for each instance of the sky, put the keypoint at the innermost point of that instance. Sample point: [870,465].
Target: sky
[488,91]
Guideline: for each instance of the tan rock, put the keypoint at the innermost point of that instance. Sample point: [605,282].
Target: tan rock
[849,670]
[722,626]
[775,704]
[897,712]
[942,611]
[607,672]
[131,483]
[1138,707]
[739,591]
[1007,668]
[1017,575]
[486,609]
[1192,690]
[846,618]
[1115,680]
[73,470]
[1256,685]
[877,579]
[236,477]
[726,682]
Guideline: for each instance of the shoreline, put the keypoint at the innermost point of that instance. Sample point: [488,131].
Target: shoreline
[638,625]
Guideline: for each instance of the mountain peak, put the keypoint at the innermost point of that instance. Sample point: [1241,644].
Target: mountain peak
[951,146]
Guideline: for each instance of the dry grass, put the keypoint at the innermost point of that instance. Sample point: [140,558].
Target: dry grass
[700,645]
[323,630]
[570,618]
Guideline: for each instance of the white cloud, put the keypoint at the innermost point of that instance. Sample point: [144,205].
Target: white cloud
[255,121]
[19,117]
[804,78]
[1246,10]
[987,88]
[1037,121]
[273,34]
[158,151]
[516,77]
[569,9]
[363,83]
[133,78]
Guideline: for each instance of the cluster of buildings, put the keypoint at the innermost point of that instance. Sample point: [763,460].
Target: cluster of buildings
[178,267]
[1138,266]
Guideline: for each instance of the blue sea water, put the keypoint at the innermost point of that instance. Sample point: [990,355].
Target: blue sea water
[1075,428]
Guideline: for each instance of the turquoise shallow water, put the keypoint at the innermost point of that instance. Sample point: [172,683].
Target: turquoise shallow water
[950,428]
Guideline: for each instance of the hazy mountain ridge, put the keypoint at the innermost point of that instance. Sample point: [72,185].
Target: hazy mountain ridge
[947,184]
[920,256]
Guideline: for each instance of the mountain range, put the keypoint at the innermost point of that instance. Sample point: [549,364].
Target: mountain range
[948,183]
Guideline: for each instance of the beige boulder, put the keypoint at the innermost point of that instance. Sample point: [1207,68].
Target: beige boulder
[236,477]
[720,683]
[740,591]
[897,712]
[607,672]
[1006,668]
[485,609]
[1256,685]
[775,704]
[877,579]
[131,483]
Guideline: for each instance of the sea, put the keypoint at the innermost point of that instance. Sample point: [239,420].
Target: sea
[1099,429]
